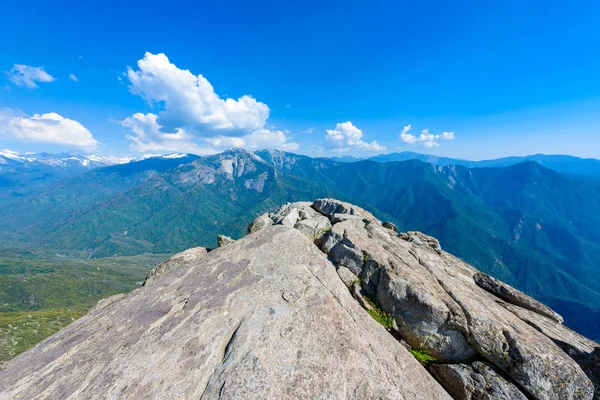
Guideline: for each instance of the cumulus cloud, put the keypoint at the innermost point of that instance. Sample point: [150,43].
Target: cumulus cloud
[426,139]
[147,136]
[260,139]
[44,128]
[347,137]
[25,75]
[73,78]
[190,100]
[194,118]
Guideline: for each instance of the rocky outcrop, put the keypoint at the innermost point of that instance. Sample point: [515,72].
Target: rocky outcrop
[446,307]
[178,260]
[298,215]
[583,350]
[391,226]
[513,296]
[259,223]
[280,314]
[475,381]
[223,240]
[420,239]
[265,317]
[347,276]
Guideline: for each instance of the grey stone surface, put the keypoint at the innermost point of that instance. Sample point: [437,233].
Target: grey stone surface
[315,227]
[438,306]
[475,381]
[571,342]
[261,222]
[512,295]
[583,350]
[346,276]
[329,207]
[265,317]
[178,260]
[420,239]
[426,315]
[299,215]
[290,214]
[358,296]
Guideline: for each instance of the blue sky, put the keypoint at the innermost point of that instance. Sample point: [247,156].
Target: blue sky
[472,80]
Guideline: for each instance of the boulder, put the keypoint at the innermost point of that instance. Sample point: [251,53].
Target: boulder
[358,296]
[338,217]
[315,227]
[291,213]
[346,276]
[299,215]
[289,218]
[223,240]
[571,342]
[260,223]
[475,381]
[584,351]
[420,239]
[329,207]
[426,315]
[390,225]
[346,254]
[265,317]
[178,260]
[512,295]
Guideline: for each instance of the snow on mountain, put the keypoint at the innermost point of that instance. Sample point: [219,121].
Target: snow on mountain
[65,160]
[172,155]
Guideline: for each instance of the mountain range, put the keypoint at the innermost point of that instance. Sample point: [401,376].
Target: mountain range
[561,163]
[524,223]
[22,174]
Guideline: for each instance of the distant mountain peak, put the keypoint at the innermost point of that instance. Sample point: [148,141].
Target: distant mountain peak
[66,159]
[12,155]
[168,155]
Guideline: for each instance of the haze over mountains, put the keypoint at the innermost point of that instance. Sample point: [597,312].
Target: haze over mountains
[524,223]
[561,163]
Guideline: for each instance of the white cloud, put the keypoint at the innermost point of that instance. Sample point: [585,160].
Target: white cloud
[168,146]
[25,75]
[73,78]
[142,125]
[347,137]
[190,101]
[426,139]
[45,128]
[147,136]
[193,117]
[260,139]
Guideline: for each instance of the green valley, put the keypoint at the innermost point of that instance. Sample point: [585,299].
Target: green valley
[41,293]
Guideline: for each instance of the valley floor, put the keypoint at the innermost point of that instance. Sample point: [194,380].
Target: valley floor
[41,292]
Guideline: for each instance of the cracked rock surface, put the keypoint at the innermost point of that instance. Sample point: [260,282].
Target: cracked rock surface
[449,309]
[279,314]
[265,317]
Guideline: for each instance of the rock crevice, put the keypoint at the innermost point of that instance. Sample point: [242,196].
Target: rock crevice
[454,312]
